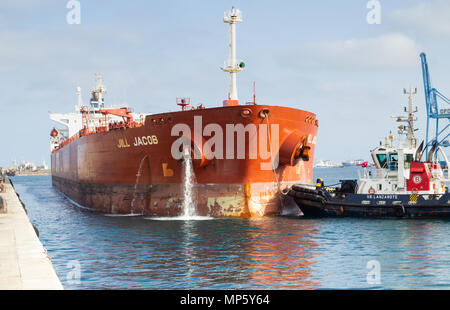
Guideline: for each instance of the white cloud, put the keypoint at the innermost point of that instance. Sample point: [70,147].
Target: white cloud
[387,51]
[430,17]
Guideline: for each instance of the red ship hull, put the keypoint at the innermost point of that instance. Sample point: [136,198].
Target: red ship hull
[132,170]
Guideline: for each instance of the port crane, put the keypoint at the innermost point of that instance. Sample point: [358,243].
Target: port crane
[435,137]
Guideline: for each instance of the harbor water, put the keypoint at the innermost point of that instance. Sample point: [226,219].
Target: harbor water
[90,250]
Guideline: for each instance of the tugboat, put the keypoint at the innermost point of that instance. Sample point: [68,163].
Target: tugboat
[400,185]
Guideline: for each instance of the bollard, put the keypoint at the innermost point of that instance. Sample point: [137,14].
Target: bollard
[2,205]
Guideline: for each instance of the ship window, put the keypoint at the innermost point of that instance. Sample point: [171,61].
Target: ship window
[382,160]
[393,161]
[408,160]
[380,187]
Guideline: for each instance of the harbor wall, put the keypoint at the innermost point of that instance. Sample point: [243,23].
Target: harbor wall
[24,263]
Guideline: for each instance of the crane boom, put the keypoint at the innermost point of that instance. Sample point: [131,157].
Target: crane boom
[433,113]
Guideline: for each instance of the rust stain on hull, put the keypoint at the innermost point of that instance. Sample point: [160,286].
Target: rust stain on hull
[167,199]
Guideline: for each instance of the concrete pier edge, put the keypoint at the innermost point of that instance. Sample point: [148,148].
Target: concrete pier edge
[24,263]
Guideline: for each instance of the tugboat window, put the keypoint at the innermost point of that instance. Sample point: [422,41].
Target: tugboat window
[382,160]
[408,160]
[393,162]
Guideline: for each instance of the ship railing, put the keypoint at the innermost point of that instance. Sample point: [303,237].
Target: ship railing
[372,174]
[66,142]
[99,129]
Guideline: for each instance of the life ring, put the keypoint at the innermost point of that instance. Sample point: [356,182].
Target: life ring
[372,190]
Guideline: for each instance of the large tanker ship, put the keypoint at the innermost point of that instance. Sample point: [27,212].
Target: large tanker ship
[244,156]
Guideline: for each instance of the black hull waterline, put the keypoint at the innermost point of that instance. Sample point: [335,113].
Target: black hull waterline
[320,203]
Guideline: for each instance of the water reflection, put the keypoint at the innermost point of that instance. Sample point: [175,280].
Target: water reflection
[271,253]
[281,256]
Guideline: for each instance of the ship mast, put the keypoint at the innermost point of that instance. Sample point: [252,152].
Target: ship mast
[232,66]
[411,141]
[80,101]
[410,135]
[100,90]
[97,101]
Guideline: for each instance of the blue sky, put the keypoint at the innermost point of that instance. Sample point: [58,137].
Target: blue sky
[320,56]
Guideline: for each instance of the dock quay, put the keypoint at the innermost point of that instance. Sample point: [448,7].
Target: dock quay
[24,263]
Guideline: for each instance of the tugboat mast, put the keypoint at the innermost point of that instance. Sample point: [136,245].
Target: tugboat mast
[410,135]
[411,141]
[232,66]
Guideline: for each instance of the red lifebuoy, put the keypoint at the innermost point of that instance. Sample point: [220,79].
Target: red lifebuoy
[372,190]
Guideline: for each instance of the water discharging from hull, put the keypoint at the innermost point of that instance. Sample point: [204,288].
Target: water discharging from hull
[189,206]
[138,175]
[188,185]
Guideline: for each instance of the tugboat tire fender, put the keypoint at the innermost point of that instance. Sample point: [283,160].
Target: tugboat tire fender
[308,196]
[303,189]
[399,210]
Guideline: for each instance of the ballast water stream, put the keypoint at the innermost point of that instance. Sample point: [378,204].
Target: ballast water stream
[189,204]
[135,194]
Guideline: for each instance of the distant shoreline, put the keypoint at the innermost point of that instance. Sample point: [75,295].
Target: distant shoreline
[32,174]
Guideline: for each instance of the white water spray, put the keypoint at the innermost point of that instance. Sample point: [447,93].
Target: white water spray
[189,203]
[138,175]
[188,185]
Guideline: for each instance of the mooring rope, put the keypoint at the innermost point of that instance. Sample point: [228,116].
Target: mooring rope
[271,157]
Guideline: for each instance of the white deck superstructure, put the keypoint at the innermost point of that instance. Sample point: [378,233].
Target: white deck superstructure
[72,123]
[393,162]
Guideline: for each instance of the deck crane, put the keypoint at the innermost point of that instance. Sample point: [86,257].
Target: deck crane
[441,133]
